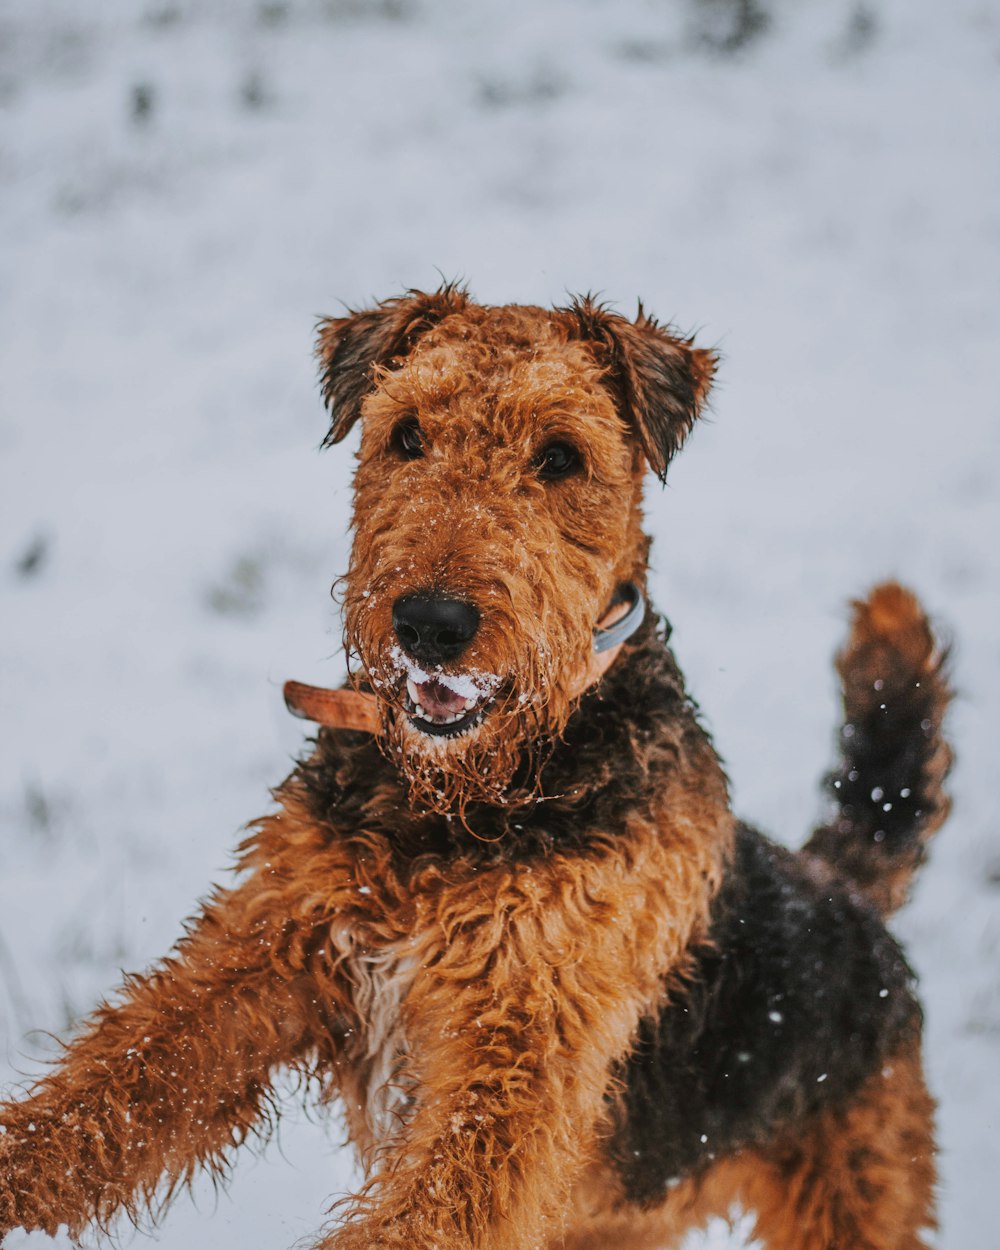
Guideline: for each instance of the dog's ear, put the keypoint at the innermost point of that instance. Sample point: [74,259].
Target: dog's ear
[350,347]
[660,379]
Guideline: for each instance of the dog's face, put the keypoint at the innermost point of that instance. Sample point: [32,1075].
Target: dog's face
[497,509]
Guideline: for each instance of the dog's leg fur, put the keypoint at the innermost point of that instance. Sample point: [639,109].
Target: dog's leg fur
[856,1178]
[861,1178]
[168,1078]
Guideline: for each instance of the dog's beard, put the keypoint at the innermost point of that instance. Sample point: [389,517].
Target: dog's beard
[491,763]
[498,761]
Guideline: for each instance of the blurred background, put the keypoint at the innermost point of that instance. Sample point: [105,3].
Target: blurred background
[185,186]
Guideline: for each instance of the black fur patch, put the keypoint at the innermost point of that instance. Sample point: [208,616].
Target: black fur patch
[798,998]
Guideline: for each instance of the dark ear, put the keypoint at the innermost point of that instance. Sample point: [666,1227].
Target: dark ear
[349,347]
[660,379]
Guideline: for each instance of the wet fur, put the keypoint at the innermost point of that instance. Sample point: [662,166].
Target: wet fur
[564,998]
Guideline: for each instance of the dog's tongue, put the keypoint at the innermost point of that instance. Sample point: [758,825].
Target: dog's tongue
[438,700]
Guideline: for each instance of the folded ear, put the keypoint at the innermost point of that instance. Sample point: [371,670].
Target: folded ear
[349,348]
[661,380]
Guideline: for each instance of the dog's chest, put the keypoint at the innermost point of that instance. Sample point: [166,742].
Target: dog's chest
[378,1083]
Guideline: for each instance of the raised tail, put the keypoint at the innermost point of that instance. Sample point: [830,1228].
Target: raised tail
[889,785]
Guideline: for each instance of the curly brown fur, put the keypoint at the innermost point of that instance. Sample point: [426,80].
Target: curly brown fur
[565,1000]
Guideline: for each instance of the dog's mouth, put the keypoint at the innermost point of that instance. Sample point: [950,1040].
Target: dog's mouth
[446,706]
[440,704]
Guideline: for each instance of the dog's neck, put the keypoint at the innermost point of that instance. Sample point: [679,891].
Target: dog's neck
[624,742]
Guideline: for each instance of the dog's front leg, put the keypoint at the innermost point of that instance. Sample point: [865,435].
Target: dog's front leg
[164,1080]
[534,987]
[505,1102]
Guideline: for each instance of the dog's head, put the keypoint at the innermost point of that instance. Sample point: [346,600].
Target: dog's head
[497,510]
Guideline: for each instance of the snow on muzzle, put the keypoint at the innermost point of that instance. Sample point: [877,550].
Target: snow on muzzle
[445,704]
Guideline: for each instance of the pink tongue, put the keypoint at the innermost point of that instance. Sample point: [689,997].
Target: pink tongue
[439,700]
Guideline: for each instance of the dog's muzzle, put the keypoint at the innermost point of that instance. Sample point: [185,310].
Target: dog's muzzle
[450,704]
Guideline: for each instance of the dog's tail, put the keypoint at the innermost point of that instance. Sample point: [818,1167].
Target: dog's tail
[889,785]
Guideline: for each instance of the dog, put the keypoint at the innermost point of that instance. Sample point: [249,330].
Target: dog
[502,910]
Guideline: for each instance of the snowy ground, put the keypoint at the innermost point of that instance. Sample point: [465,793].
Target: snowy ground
[184,186]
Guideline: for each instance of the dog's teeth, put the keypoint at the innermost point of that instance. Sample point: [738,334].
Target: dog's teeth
[412,691]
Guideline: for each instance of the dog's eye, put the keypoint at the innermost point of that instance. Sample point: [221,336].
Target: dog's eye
[407,440]
[556,461]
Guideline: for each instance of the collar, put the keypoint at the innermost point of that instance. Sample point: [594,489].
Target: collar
[620,627]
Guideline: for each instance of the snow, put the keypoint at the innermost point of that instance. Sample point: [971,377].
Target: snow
[473,684]
[185,186]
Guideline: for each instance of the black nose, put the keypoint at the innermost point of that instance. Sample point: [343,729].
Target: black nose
[432,628]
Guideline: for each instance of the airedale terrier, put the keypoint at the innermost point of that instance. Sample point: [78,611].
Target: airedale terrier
[507,917]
